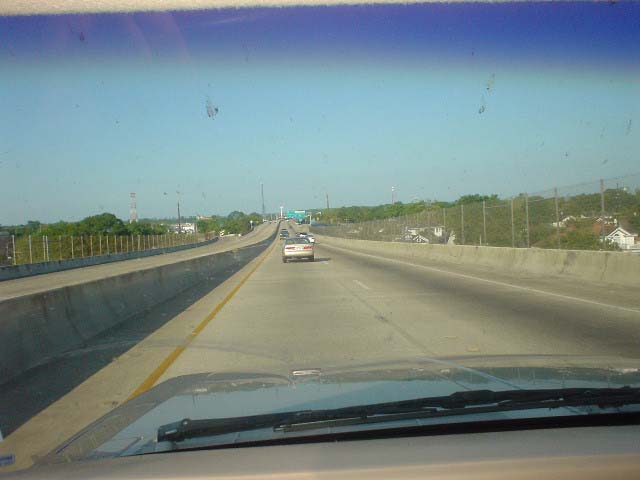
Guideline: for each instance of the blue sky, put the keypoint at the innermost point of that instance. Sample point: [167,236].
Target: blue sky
[439,100]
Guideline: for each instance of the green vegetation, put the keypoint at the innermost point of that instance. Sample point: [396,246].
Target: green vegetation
[234,223]
[94,235]
[103,224]
[579,214]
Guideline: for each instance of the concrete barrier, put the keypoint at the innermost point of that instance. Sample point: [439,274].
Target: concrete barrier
[35,328]
[28,270]
[618,268]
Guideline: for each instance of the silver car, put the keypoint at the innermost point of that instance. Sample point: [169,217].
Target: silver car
[297,248]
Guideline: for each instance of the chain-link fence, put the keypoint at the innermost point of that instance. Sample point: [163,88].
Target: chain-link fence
[18,250]
[599,215]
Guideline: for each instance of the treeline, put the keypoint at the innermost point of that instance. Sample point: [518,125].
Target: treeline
[234,223]
[471,223]
[108,224]
[357,214]
[102,224]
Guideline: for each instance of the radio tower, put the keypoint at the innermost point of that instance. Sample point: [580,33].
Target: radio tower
[133,210]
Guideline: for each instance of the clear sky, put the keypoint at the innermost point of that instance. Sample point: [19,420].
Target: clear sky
[439,100]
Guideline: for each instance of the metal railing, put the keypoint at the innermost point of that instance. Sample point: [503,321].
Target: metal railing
[571,217]
[26,249]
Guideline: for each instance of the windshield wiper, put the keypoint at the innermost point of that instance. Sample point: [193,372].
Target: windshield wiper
[459,403]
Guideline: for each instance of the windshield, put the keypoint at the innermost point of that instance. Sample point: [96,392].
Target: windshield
[469,173]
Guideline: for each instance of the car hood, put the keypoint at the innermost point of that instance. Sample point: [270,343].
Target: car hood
[132,427]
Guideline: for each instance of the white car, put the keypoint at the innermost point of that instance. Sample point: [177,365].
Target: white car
[297,248]
[308,236]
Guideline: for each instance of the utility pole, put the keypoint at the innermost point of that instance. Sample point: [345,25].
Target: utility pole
[262,194]
[555,197]
[484,221]
[327,194]
[526,209]
[513,228]
[393,195]
[179,217]
[601,213]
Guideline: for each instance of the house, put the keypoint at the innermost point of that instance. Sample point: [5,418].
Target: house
[184,228]
[625,238]
[438,231]
[563,223]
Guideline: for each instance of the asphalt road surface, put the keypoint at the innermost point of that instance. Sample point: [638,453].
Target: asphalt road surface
[346,309]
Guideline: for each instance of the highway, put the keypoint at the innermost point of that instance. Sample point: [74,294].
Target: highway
[346,309]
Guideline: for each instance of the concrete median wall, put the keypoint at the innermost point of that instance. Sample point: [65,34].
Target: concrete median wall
[28,270]
[610,267]
[35,328]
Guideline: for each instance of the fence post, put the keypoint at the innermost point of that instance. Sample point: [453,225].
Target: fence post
[484,221]
[121,249]
[138,242]
[462,221]
[30,250]
[82,246]
[100,242]
[526,209]
[48,252]
[72,254]
[513,227]
[555,197]
[601,214]
[13,242]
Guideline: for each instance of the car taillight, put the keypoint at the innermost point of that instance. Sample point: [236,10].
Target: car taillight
[289,248]
[308,247]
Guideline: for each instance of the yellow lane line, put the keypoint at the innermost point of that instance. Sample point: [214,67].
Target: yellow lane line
[173,356]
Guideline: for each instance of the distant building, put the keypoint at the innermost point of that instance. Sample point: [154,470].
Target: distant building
[184,228]
[625,239]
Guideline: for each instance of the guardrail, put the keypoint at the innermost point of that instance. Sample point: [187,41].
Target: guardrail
[162,246]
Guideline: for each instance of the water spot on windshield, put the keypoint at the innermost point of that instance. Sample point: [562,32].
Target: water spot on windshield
[212,110]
